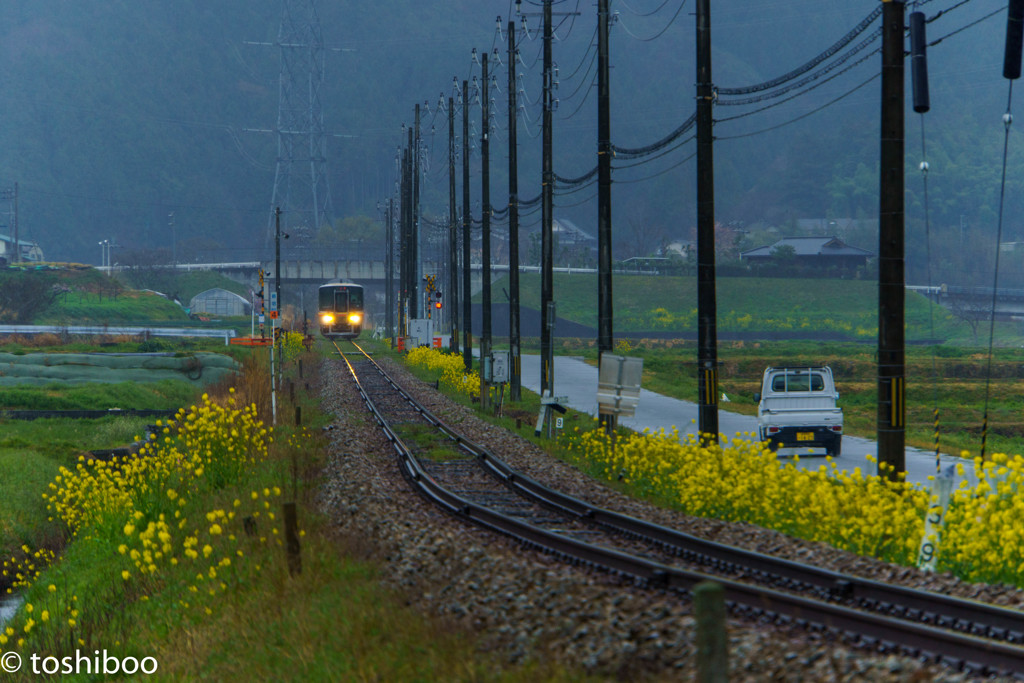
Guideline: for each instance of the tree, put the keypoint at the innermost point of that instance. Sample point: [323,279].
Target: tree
[362,231]
[784,255]
[24,295]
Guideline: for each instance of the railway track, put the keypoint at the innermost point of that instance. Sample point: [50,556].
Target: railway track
[470,482]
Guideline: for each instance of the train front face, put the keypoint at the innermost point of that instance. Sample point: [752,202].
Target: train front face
[341,310]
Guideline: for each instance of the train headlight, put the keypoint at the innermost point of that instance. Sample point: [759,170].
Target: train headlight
[326,318]
[355,318]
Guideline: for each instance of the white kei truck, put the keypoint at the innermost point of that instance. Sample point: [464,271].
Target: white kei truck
[797,409]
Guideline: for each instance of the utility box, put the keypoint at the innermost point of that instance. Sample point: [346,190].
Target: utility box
[421,330]
[499,367]
[618,385]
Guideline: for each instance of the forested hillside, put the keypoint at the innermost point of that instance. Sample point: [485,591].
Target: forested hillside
[118,114]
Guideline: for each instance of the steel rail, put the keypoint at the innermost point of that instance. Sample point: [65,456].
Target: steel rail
[972,616]
[886,631]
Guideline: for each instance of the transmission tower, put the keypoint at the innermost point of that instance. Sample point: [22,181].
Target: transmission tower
[300,179]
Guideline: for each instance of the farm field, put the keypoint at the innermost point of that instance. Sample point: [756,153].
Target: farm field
[769,307]
[782,321]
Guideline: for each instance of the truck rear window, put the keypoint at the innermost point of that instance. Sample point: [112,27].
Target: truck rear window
[798,382]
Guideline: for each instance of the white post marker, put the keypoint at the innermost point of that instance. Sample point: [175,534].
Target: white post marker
[942,485]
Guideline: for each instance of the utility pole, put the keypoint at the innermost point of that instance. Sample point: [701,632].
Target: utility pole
[11,195]
[707,333]
[547,304]
[389,269]
[417,266]
[174,239]
[403,241]
[604,195]
[467,284]
[515,372]
[17,238]
[278,321]
[485,266]
[277,256]
[453,234]
[891,285]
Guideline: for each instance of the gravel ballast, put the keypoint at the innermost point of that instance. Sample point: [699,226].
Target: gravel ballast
[525,604]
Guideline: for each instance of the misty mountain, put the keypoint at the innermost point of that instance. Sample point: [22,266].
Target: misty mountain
[118,114]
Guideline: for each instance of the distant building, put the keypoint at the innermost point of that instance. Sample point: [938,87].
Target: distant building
[219,301]
[30,251]
[812,252]
[572,246]
[680,248]
[834,226]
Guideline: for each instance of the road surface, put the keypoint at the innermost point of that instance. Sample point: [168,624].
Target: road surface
[577,380]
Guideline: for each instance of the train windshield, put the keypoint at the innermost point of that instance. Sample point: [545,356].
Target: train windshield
[341,299]
[327,298]
[355,299]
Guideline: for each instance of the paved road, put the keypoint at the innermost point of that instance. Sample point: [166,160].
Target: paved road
[578,381]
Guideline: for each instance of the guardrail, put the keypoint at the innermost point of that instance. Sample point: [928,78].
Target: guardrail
[226,335]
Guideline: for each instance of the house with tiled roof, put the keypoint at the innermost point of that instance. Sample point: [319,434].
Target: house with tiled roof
[813,252]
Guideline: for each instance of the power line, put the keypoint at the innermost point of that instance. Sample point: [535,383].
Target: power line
[802,116]
[659,33]
[810,64]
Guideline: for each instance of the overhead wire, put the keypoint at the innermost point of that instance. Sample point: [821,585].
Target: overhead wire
[802,116]
[810,78]
[659,173]
[648,159]
[810,64]
[642,14]
[657,35]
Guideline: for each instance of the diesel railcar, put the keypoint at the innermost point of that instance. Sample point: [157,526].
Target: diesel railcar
[340,310]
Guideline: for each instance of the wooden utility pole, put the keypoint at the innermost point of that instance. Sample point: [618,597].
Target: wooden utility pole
[891,285]
[707,331]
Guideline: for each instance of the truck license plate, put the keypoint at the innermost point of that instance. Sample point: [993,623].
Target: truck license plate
[805,436]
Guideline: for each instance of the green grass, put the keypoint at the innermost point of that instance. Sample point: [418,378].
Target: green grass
[426,441]
[31,454]
[131,306]
[783,306]
[162,395]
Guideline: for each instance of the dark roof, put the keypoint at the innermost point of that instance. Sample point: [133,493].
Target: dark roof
[567,227]
[811,246]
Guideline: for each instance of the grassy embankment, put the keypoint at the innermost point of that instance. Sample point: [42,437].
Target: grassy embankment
[950,375]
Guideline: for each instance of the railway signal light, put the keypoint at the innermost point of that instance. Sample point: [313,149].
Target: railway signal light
[437,304]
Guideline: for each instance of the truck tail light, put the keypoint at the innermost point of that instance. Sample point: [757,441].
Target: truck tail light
[773,430]
[837,428]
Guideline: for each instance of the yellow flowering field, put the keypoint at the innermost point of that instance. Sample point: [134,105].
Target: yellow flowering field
[454,377]
[145,523]
[742,480]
